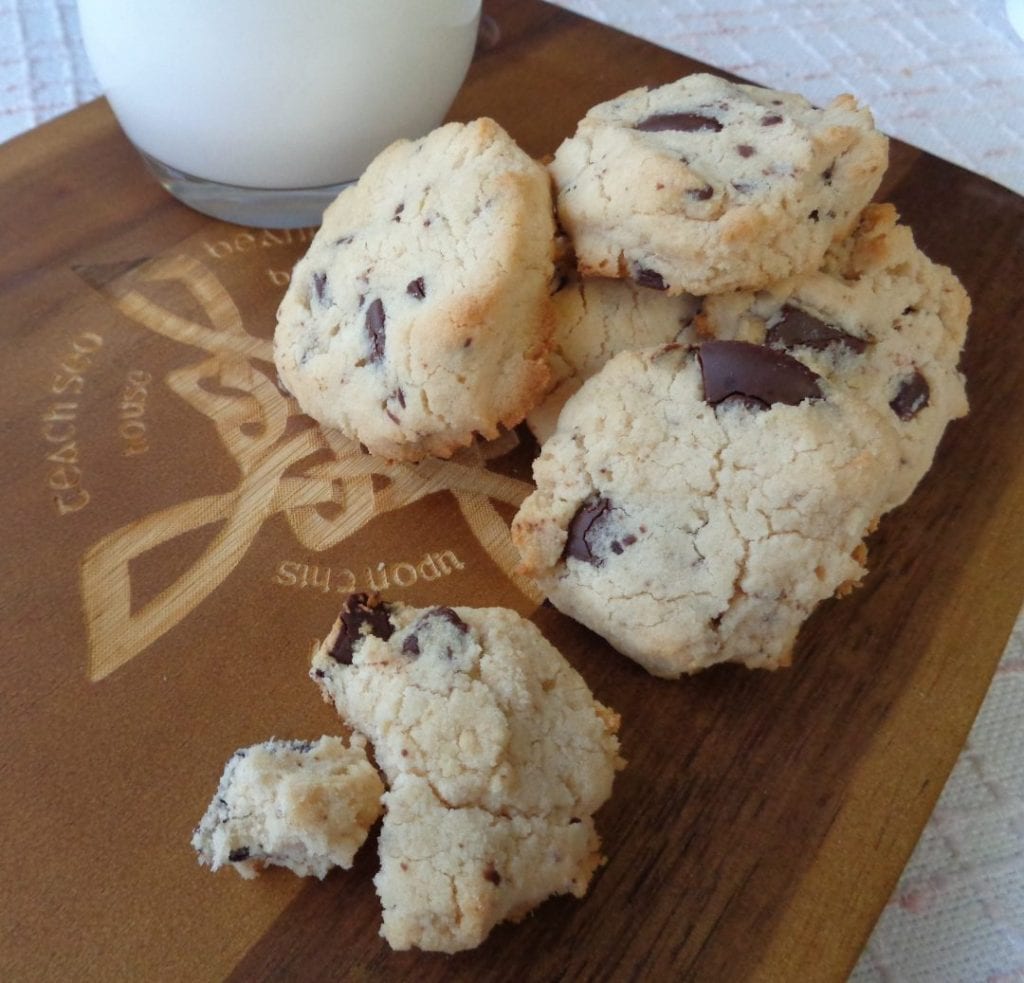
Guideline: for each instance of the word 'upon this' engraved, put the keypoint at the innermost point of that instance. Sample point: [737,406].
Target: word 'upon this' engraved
[384,576]
[131,413]
[244,242]
[59,424]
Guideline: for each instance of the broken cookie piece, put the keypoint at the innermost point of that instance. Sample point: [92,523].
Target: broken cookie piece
[304,805]
[496,753]
[448,875]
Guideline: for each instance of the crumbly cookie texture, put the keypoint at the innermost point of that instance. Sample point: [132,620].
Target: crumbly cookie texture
[595,319]
[486,733]
[878,318]
[703,185]
[420,315]
[449,875]
[695,505]
[304,805]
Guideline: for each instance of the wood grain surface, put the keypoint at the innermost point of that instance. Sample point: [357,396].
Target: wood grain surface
[175,535]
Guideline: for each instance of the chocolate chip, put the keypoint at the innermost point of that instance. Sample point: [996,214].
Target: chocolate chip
[738,368]
[792,327]
[391,416]
[589,518]
[375,319]
[490,874]
[618,546]
[743,187]
[701,194]
[398,212]
[411,645]
[679,122]
[319,285]
[911,397]
[417,288]
[447,614]
[771,119]
[814,215]
[301,746]
[319,673]
[236,856]
[400,396]
[826,176]
[358,612]
[344,240]
[649,278]
[745,150]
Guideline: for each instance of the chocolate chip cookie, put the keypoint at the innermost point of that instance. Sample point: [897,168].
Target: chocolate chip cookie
[695,505]
[704,186]
[880,319]
[496,754]
[420,315]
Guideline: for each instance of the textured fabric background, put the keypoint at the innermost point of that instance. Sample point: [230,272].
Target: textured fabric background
[944,75]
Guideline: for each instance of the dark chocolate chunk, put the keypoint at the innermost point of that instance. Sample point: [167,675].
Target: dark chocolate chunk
[411,645]
[320,285]
[827,175]
[701,194]
[492,875]
[398,212]
[814,217]
[236,856]
[792,327]
[417,288]
[911,397]
[745,150]
[649,278]
[771,119]
[375,319]
[589,518]
[358,612]
[678,122]
[738,368]
[400,396]
[319,673]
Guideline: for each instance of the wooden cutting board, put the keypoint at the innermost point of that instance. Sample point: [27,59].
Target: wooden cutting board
[175,534]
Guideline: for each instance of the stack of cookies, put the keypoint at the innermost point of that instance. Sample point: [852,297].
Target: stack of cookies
[734,363]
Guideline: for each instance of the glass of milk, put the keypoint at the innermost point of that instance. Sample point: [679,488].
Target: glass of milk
[260,111]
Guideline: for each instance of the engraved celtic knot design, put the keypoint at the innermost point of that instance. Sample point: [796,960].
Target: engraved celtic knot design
[325,485]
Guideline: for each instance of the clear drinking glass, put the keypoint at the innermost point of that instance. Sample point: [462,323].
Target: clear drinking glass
[260,111]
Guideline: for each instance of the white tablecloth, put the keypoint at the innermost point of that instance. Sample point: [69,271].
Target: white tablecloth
[944,75]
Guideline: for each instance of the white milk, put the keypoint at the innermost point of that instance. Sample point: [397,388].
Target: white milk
[277,93]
